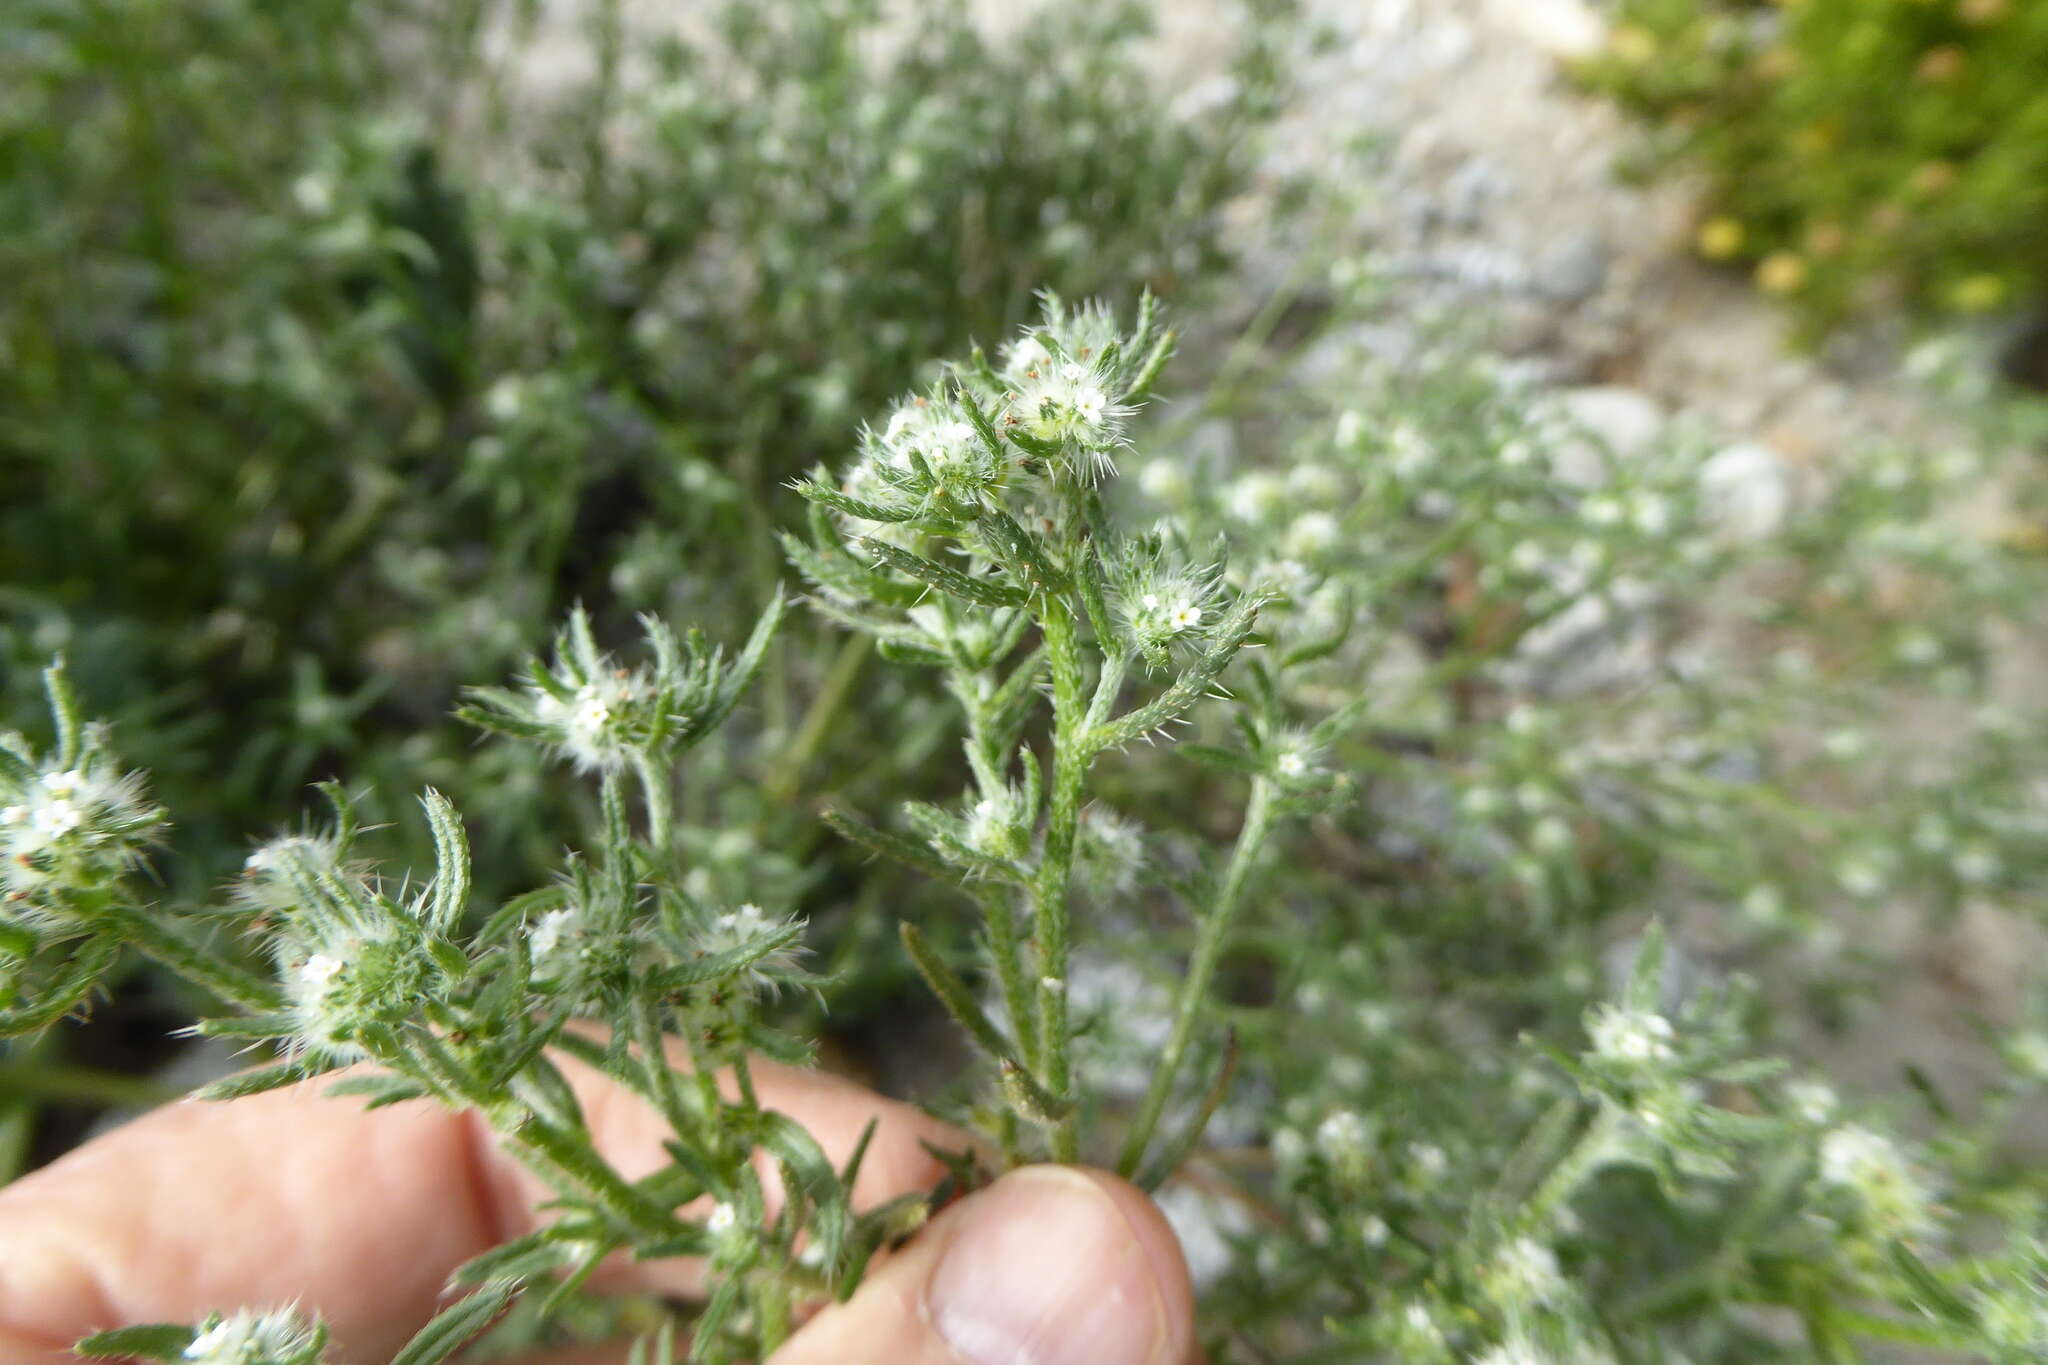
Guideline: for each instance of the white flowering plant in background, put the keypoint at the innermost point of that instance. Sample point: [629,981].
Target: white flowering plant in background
[1373,814]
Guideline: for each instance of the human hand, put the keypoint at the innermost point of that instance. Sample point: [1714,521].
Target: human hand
[359,1215]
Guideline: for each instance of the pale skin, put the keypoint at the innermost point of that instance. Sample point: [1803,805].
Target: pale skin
[360,1215]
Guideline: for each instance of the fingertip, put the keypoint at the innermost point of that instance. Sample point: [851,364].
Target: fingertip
[1051,1265]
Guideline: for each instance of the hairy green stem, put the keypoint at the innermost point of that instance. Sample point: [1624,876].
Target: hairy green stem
[1211,936]
[658,794]
[168,947]
[1050,910]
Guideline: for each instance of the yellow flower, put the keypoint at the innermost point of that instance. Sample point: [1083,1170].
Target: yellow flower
[1977,293]
[1632,43]
[1781,272]
[1720,238]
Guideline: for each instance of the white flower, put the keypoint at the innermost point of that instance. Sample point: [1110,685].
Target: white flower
[1254,497]
[550,929]
[1526,1271]
[1343,1136]
[1516,1350]
[1028,353]
[1630,1036]
[744,927]
[1312,533]
[1430,1161]
[506,398]
[1350,427]
[1813,1101]
[317,974]
[250,1337]
[722,1219]
[1090,404]
[57,818]
[1872,1166]
[1291,765]
[13,815]
[1185,616]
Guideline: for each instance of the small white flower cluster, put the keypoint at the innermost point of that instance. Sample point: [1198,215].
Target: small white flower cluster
[591,718]
[1165,609]
[69,826]
[279,1337]
[1524,1271]
[1516,1350]
[999,826]
[1873,1168]
[744,926]
[957,465]
[1297,760]
[1345,1140]
[554,940]
[1630,1038]
[334,937]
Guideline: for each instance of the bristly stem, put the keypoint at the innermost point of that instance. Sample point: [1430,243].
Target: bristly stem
[1049,889]
[1211,936]
[168,947]
[658,794]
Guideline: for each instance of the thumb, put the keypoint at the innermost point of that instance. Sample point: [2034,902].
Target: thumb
[1051,1265]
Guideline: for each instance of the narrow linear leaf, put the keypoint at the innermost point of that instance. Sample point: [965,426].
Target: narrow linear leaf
[151,1341]
[889,845]
[455,1326]
[1176,1152]
[946,579]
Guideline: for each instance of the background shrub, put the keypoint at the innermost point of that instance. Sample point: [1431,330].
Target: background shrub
[1852,152]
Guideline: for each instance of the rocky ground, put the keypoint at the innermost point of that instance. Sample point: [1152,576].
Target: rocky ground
[1498,193]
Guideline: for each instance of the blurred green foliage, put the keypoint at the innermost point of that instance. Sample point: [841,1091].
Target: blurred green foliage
[1854,151]
[346,344]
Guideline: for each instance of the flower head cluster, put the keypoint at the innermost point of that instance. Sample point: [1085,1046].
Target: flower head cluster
[348,956]
[1872,1167]
[929,457]
[65,827]
[1165,605]
[1630,1038]
[603,716]
[279,1337]
[769,946]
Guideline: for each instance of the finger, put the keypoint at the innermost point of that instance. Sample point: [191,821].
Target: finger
[358,1214]
[1051,1265]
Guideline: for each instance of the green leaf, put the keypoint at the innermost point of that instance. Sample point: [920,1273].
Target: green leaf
[986,592]
[381,1087]
[853,507]
[536,1254]
[80,975]
[269,1025]
[1176,1152]
[150,1341]
[740,676]
[454,1327]
[451,865]
[810,1171]
[258,1081]
[729,963]
[889,845]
